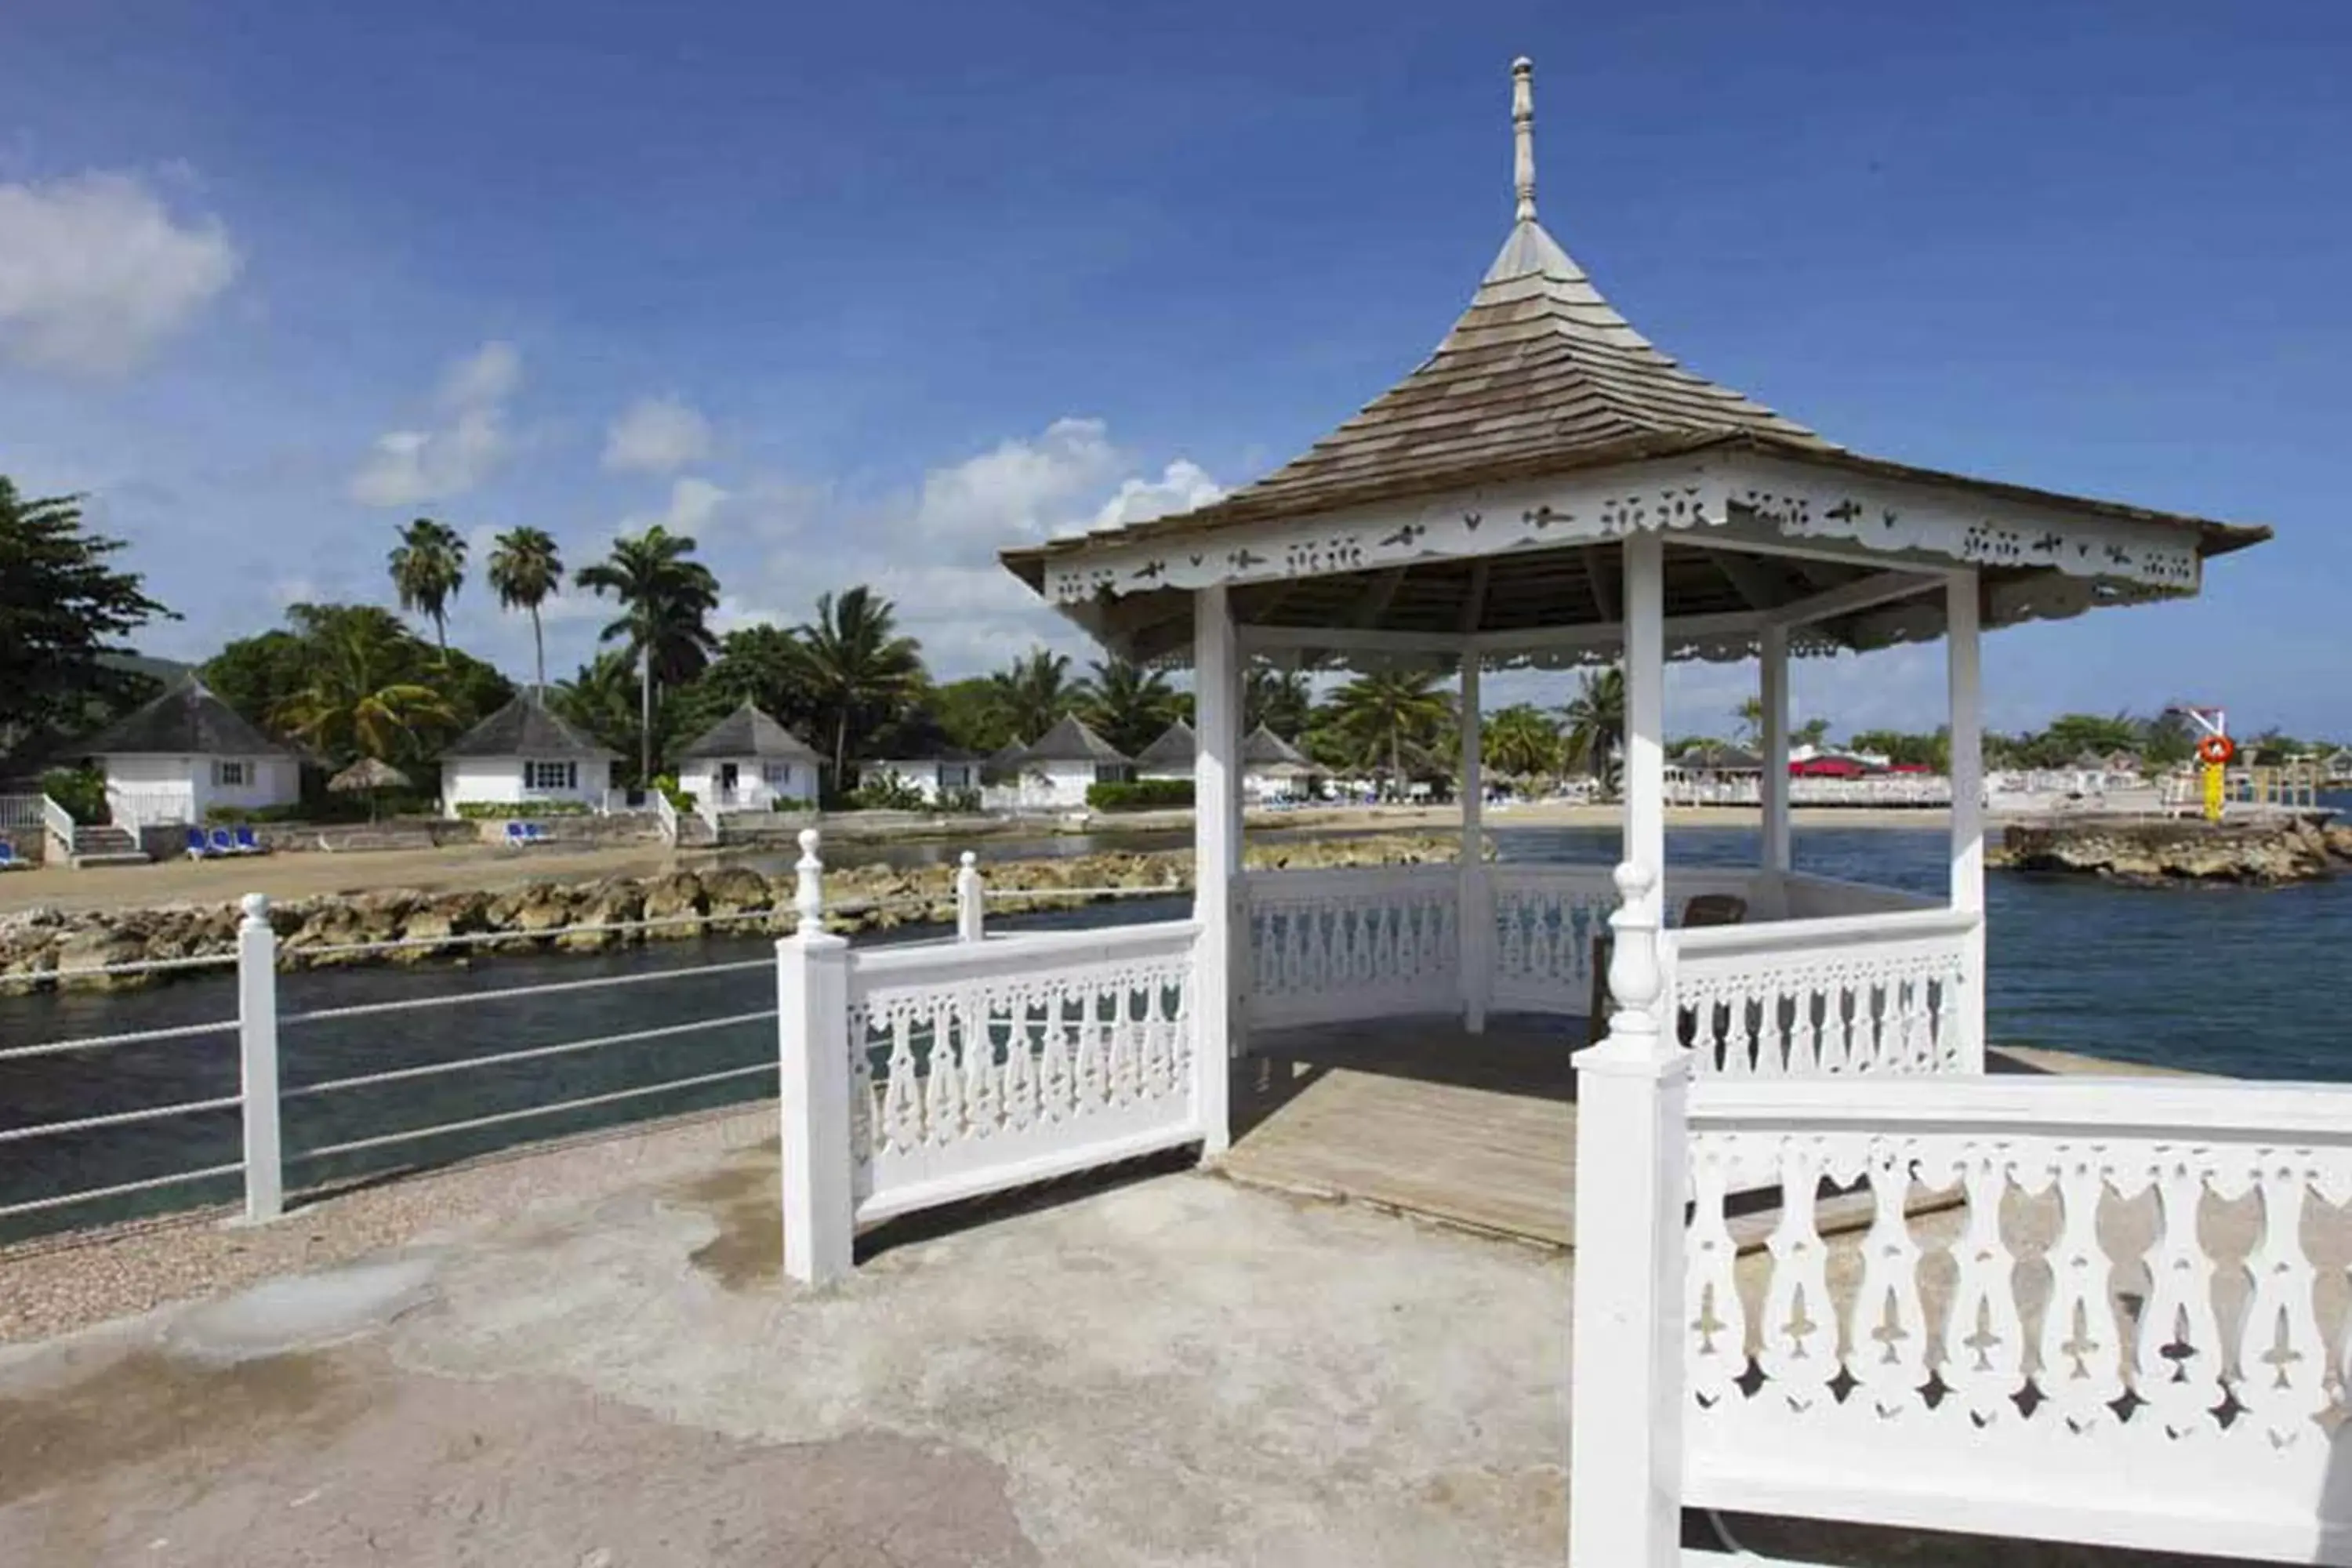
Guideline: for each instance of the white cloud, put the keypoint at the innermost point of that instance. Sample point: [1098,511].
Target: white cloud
[490,375]
[934,555]
[95,272]
[1180,487]
[407,467]
[657,436]
[1021,489]
[694,503]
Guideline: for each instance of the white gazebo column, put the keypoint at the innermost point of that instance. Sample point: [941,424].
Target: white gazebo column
[1645,708]
[1964,671]
[1773,694]
[1216,859]
[1474,923]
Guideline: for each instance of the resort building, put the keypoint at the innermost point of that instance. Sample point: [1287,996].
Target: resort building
[748,761]
[1054,772]
[1170,756]
[187,754]
[944,776]
[524,756]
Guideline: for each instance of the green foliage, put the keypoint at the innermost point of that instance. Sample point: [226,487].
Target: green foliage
[353,680]
[1394,723]
[331,808]
[1032,696]
[428,567]
[967,715]
[601,700]
[1141,795]
[665,601]
[525,568]
[1522,742]
[859,673]
[1128,705]
[1932,751]
[499,811]
[886,792]
[960,802]
[62,608]
[1596,726]
[81,791]
[1280,699]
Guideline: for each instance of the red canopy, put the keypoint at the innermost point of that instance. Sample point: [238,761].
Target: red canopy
[1826,768]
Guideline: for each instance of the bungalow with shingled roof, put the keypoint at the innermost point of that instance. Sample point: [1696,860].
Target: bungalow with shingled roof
[187,753]
[748,761]
[1054,772]
[524,756]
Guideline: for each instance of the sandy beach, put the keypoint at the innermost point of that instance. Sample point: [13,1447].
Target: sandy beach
[489,867]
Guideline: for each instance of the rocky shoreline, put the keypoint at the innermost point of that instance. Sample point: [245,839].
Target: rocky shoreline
[2169,852]
[445,926]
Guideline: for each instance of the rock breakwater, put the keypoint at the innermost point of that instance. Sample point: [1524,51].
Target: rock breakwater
[43,948]
[2171,852]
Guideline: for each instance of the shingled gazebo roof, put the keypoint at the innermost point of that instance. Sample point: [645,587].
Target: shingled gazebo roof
[1071,740]
[1175,748]
[1486,494]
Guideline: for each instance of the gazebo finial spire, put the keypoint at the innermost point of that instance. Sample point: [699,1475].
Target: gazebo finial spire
[1523,135]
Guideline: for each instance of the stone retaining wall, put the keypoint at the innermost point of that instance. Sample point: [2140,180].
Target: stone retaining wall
[2154,851]
[720,899]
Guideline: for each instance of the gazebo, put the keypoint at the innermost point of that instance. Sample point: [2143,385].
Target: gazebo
[1546,490]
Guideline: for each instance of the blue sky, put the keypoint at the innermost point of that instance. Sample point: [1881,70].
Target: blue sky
[867,292]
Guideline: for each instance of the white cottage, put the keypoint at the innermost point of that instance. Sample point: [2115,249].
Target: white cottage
[748,761]
[524,756]
[1171,756]
[1055,774]
[939,776]
[187,753]
[1272,768]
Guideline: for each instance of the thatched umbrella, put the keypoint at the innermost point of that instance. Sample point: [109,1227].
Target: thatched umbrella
[370,774]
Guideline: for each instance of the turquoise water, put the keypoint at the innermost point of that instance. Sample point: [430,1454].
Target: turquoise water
[2227,980]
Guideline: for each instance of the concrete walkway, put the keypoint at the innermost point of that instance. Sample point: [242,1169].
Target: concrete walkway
[1178,1371]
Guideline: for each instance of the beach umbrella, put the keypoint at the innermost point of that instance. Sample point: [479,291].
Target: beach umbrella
[370,774]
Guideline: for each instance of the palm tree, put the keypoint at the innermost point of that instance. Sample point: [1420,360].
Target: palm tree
[1596,725]
[859,671]
[524,570]
[1751,717]
[1278,699]
[1034,695]
[1392,721]
[1522,741]
[665,601]
[1129,706]
[601,699]
[352,706]
[428,567]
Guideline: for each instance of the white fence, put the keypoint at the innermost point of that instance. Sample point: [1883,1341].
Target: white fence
[1881,993]
[928,1073]
[21,810]
[2098,1310]
[1328,946]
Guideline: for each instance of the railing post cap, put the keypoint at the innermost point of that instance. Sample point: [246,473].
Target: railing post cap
[808,840]
[255,906]
[1633,879]
[968,859]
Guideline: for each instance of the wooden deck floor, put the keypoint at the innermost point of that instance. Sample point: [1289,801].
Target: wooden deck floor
[1416,1115]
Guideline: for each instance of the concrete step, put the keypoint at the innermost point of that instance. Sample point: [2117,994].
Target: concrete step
[111,857]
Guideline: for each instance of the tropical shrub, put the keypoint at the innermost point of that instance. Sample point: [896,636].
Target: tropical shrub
[1142,794]
[501,811]
[81,791]
[886,792]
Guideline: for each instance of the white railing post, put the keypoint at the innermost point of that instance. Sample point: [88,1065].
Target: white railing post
[257,1031]
[971,916]
[1626,1399]
[814,1047]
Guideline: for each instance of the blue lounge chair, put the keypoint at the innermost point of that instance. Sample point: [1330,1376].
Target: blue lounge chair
[246,844]
[516,835]
[8,861]
[222,844]
[537,833]
[198,848]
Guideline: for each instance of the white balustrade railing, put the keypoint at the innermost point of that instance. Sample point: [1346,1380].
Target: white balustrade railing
[1856,993]
[58,825]
[663,813]
[978,1065]
[2131,1330]
[21,810]
[924,1074]
[132,807]
[1546,922]
[1326,946]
